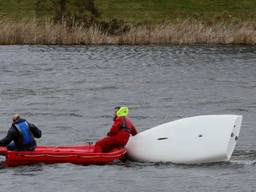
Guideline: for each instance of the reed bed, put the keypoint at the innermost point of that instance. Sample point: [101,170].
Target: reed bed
[185,32]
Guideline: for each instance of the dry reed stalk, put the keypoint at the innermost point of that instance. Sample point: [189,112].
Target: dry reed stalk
[186,32]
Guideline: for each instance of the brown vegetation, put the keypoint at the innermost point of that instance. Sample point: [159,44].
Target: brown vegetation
[186,32]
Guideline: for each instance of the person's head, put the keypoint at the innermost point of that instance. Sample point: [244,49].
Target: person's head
[121,111]
[15,118]
[116,109]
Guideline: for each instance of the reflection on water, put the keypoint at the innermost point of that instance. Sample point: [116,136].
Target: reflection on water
[28,170]
[70,93]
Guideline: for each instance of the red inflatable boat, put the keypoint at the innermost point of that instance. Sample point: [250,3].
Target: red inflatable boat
[80,154]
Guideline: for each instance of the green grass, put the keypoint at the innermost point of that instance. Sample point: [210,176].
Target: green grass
[153,11]
[17,8]
[158,10]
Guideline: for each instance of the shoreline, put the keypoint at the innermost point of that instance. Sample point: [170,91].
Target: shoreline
[186,32]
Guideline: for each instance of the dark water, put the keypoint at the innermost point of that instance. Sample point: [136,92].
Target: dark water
[70,92]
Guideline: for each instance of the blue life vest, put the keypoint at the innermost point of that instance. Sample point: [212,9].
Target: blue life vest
[24,130]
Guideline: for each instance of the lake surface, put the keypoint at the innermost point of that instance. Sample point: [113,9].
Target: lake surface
[70,92]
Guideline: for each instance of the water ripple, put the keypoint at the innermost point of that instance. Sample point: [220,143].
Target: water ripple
[71,91]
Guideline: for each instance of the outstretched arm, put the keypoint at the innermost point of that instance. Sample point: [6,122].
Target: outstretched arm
[35,130]
[134,130]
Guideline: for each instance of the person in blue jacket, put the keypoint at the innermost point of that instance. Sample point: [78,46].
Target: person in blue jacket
[21,135]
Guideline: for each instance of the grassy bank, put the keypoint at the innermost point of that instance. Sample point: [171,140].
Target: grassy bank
[186,32]
[155,11]
[142,22]
[150,11]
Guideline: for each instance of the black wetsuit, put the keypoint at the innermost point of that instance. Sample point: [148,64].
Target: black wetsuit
[15,136]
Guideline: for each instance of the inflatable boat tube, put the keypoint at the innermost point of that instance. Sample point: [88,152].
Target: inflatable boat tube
[80,154]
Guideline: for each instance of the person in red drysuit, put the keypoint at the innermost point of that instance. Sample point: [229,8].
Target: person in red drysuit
[119,133]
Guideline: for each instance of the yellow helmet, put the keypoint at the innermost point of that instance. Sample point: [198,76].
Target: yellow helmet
[122,112]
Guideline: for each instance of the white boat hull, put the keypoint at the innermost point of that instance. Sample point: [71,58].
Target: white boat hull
[193,140]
